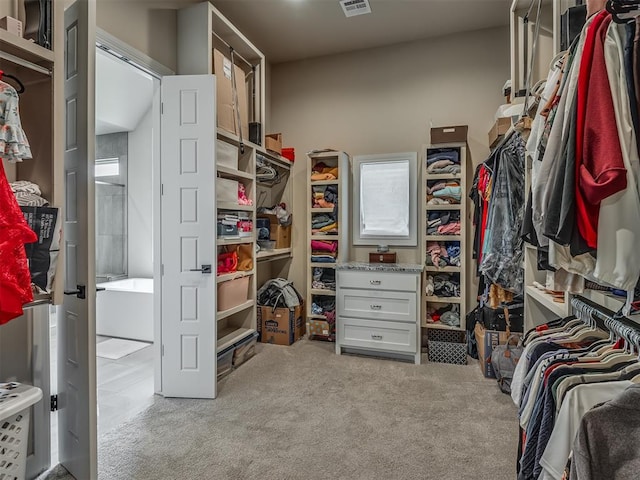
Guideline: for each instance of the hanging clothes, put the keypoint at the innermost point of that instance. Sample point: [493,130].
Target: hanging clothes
[15,280]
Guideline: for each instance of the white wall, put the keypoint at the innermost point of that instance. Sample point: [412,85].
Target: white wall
[140,213]
[385,100]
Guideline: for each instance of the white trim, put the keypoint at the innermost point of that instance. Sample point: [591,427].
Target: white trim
[107,42]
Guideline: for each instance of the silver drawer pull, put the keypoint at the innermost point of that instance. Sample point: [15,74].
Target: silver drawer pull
[376,337]
[375,282]
[376,307]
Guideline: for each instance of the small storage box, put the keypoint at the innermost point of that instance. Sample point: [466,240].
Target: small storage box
[273,142]
[320,328]
[289,153]
[457,134]
[245,224]
[227,230]
[226,190]
[226,155]
[225,362]
[447,346]
[233,293]
[15,402]
[245,349]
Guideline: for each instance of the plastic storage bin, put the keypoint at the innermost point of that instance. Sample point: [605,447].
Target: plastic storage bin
[225,362]
[233,293]
[15,402]
[245,349]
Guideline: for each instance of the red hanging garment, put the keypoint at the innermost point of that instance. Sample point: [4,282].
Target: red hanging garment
[15,280]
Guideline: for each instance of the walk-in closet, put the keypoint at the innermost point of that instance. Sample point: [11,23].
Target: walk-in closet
[338,239]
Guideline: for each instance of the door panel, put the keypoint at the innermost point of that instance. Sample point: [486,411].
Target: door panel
[77,421]
[188,217]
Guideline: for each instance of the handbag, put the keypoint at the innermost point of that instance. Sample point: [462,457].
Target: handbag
[504,359]
[245,256]
[227,262]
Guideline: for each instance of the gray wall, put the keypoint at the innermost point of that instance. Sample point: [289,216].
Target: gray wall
[111,208]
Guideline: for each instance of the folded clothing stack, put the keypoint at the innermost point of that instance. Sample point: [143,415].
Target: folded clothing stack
[441,193]
[321,171]
[443,254]
[28,194]
[324,251]
[324,305]
[443,160]
[443,285]
[435,220]
[324,279]
[322,223]
[447,315]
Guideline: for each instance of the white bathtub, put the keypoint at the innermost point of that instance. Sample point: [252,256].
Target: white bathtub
[125,309]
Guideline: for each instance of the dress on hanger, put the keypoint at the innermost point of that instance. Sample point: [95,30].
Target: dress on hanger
[15,279]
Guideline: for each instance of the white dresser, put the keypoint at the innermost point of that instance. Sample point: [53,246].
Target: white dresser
[378,309]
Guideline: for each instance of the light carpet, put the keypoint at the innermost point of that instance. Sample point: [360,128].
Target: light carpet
[302,412]
[116,348]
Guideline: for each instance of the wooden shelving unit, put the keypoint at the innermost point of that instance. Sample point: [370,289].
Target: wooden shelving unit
[458,272]
[341,160]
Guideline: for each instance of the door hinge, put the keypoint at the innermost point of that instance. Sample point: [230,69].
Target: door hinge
[161,108]
[161,189]
[54,403]
[162,270]
[162,350]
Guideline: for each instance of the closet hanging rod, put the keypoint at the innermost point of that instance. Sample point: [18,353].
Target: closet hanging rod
[235,53]
[604,313]
[24,63]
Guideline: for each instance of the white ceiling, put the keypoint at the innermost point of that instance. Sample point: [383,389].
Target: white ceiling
[124,94]
[287,30]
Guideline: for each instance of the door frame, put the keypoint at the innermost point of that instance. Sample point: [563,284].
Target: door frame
[126,53]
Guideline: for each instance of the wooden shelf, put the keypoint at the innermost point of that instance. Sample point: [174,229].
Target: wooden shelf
[324,182]
[232,172]
[233,138]
[441,326]
[321,210]
[452,206]
[443,238]
[317,155]
[448,269]
[546,300]
[234,240]
[322,265]
[26,50]
[231,276]
[271,255]
[334,238]
[228,336]
[320,291]
[232,311]
[234,207]
[434,299]
[275,158]
[443,176]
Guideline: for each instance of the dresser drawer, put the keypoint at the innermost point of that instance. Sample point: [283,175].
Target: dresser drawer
[377,335]
[408,282]
[382,305]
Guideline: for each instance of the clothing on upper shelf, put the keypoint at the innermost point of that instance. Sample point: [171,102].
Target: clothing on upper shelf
[28,194]
[321,171]
[443,285]
[14,145]
[324,279]
[435,220]
[448,315]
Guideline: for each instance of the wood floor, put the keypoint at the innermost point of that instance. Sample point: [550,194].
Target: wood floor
[125,388]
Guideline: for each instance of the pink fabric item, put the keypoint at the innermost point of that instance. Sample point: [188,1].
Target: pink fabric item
[452,228]
[320,246]
[436,251]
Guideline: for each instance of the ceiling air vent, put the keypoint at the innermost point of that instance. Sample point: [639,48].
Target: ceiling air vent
[352,8]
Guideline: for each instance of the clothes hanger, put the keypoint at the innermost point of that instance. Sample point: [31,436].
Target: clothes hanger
[20,88]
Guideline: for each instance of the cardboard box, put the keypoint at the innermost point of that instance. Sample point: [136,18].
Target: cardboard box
[273,142]
[487,340]
[11,25]
[455,134]
[280,234]
[498,130]
[226,114]
[281,326]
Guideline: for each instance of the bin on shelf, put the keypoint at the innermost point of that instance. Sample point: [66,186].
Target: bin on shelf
[233,293]
[16,400]
[447,346]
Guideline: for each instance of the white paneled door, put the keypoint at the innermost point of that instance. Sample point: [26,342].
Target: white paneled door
[77,421]
[188,218]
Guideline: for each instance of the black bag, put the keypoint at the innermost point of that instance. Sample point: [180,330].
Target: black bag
[496,319]
[473,317]
[43,254]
